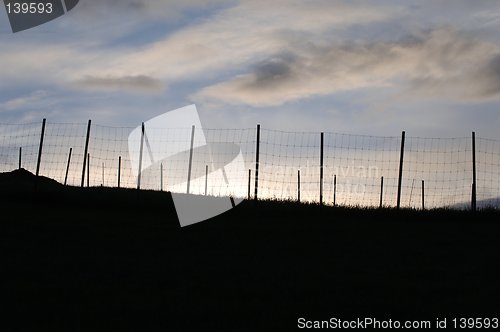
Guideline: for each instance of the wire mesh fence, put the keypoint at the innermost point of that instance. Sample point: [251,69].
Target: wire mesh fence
[354,169]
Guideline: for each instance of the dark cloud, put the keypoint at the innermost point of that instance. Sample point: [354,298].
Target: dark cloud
[489,75]
[131,83]
[273,72]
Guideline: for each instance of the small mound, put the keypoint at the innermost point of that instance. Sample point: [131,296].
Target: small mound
[22,179]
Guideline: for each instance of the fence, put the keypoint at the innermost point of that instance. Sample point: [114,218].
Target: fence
[330,168]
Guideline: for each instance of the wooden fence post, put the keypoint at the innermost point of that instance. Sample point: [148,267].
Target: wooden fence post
[85,153]
[161,176]
[335,190]
[257,162]
[401,162]
[321,171]
[298,185]
[190,159]
[67,166]
[249,182]
[206,179]
[40,148]
[423,195]
[88,170]
[141,150]
[474,183]
[119,170]
[381,191]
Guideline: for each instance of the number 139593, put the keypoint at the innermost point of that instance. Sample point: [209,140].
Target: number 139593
[475,323]
[29,8]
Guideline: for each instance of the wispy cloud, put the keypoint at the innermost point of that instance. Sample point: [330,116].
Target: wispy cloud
[234,37]
[129,83]
[230,40]
[26,101]
[437,63]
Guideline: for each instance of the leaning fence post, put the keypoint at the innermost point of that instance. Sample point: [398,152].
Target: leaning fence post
[140,158]
[474,183]
[88,170]
[190,158]
[67,166]
[85,153]
[423,195]
[381,191]
[401,161]
[321,171]
[298,185]
[257,156]
[119,169]
[20,157]
[40,148]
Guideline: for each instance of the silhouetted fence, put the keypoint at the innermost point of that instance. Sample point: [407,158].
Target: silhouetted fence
[329,168]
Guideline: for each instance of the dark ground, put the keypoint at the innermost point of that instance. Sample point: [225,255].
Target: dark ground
[103,259]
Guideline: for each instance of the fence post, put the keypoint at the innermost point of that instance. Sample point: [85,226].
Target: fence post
[401,162]
[298,185]
[411,192]
[190,158]
[20,157]
[119,169]
[249,182]
[206,179]
[161,176]
[257,156]
[88,170]
[141,150]
[335,190]
[85,153]
[423,195]
[102,175]
[40,148]
[381,191]
[321,171]
[67,166]
[474,183]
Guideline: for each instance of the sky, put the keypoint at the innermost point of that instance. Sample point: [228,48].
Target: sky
[431,68]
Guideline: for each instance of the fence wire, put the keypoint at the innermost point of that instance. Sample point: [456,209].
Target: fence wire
[357,169]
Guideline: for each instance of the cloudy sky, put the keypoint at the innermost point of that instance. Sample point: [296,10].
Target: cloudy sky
[363,67]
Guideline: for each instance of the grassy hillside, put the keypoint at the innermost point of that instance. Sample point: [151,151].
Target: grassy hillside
[106,259]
